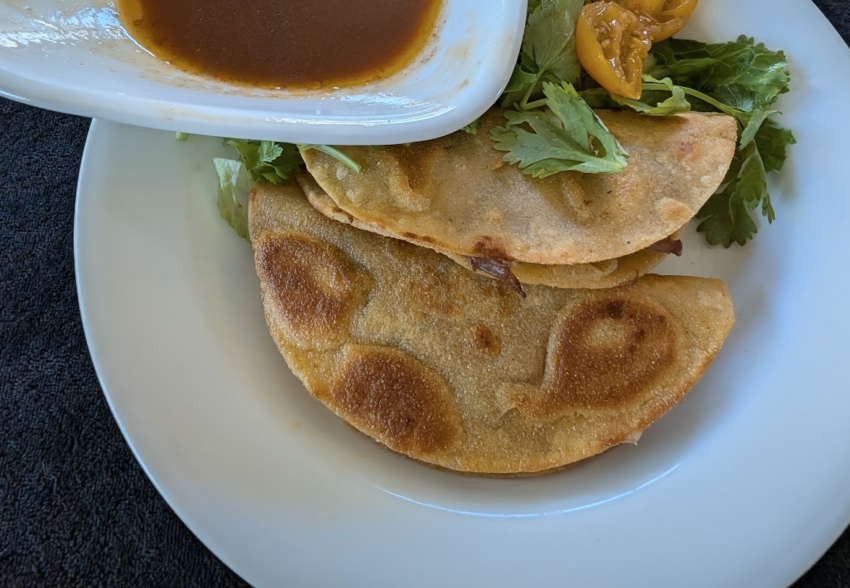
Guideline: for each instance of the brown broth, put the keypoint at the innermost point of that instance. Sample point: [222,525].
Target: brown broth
[284,43]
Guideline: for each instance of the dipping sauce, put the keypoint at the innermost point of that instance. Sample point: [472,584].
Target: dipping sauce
[284,43]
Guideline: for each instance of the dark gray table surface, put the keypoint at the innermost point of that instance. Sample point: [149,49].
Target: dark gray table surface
[75,507]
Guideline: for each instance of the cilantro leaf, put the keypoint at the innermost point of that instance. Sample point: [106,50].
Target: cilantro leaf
[234,183]
[727,219]
[268,160]
[727,215]
[548,49]
[751,185]
[550,38]
[565,136]
[752,125]
[773,140]
[520,82]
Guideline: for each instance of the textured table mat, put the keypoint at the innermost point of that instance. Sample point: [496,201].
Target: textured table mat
[75,508]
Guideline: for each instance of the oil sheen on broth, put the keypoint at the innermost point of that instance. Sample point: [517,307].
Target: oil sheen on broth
[284,43]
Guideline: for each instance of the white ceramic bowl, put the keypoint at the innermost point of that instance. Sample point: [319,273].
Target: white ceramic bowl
[74,56]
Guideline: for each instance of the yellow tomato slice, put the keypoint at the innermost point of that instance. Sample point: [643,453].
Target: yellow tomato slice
[664,18]
[645,6]
[612,43]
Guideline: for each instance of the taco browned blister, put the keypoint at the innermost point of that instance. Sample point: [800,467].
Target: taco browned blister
[449,368]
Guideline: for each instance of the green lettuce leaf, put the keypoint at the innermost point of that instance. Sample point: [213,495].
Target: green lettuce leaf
[234,184]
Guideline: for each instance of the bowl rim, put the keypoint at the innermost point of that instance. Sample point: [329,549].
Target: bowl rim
[176,108]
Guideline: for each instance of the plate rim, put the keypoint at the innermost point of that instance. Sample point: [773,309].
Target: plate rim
[805,558]
[90,345]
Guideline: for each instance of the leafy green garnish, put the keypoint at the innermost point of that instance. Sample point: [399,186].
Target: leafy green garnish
[472,128]
[726,216]
[677,103]
[727,213]
[548,50]
[333,152]
[277,162]
[566,135]
[181,136]
[773,140]
[234,183]
[532,6]
[752,124]
[268,160]
[724,70]
[741,79]
[261,161]
[552,128]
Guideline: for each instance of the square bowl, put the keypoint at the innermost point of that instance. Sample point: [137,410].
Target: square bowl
[75,56]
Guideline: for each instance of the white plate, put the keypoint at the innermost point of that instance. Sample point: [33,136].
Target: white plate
[74,56]
[744,484]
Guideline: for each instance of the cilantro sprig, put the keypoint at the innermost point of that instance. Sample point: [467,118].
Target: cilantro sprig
[548,51]
[259,161]
[742,79]
[550,128]
[565,135]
